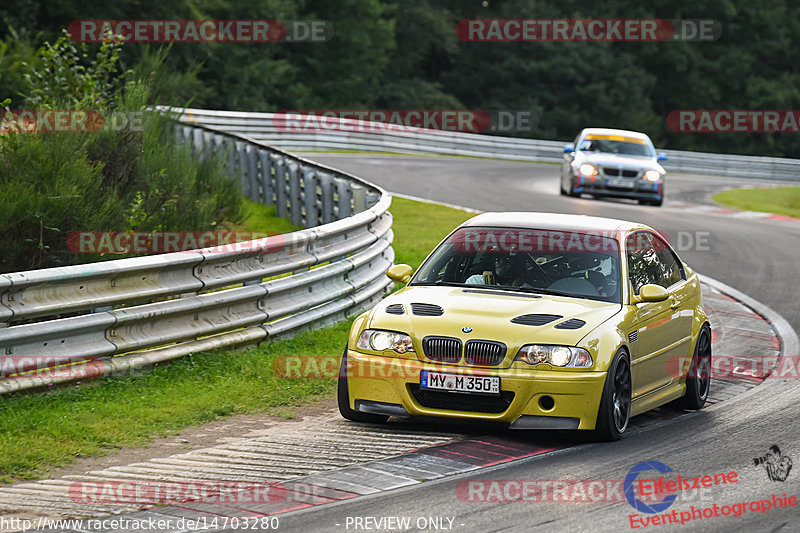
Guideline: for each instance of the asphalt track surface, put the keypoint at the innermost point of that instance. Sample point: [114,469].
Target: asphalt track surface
[759,257]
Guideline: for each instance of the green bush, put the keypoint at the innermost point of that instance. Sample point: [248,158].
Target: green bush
[130,177]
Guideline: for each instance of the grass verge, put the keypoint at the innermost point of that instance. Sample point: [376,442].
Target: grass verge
[778,200]
[39,431]
[261,218]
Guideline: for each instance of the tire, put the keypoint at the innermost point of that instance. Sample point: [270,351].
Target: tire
[561,187]
[698,380]
[343,399]
[571,191]
[614,413]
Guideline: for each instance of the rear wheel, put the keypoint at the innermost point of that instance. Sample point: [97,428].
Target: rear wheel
[698,381]
[343,399]
[615,406]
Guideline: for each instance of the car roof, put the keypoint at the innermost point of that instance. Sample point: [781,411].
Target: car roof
[554,222]
[611,131]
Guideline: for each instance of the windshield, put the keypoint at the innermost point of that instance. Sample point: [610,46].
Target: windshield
[615,147]
[579,265]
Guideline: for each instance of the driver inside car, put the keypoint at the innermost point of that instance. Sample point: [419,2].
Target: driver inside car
[599,281]
[506,271]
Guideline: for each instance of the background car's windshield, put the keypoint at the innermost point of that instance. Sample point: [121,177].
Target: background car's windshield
[584,265]
[615,147]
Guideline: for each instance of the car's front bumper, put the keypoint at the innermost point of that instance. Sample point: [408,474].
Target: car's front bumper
[374,387]
[640,190]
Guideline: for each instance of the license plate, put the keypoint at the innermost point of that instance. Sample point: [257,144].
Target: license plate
[456,383]
[620,183]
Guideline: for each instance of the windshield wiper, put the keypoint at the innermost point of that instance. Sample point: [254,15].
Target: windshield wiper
[442,284]
[552,292]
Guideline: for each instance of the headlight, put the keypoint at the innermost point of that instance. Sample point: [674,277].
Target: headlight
[379,341]
[652,175]
[533,354]
[587,169]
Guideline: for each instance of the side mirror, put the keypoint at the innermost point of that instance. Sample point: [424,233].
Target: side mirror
[400,273]
[568,149]
[661,157]
[652,293]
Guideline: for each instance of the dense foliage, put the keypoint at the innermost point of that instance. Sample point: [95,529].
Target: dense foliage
[125,175]
[407,55]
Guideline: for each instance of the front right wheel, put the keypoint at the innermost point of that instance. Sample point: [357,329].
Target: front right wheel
[698,380]
[615,406]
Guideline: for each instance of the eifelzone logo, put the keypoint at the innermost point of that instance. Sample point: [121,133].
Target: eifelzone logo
[630,484]
[776,464]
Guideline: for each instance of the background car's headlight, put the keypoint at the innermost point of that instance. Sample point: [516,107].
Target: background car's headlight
[652,175]
[587,169]
[379,341]
[533,354]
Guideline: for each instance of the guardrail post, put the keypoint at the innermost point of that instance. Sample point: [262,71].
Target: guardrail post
[281,201]
[219,146]
[265,161]
[345,194]
[241,168]
[359,198]
[326,185]
[295,197]
[230,152]
[198,144]
[252,172]
[310,198]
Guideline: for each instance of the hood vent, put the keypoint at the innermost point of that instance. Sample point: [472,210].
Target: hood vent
[572,323]
[534,320]
[395,309]
[426,310]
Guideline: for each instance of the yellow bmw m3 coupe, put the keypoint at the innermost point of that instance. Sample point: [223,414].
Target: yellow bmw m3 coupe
[538,320]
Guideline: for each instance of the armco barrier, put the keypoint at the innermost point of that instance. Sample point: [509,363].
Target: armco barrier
[122,314]
[350,135]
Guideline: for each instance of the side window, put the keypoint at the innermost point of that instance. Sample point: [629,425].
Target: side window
[673,270]
[644,266]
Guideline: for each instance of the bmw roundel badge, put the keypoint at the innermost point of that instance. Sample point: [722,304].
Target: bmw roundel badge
[466,329]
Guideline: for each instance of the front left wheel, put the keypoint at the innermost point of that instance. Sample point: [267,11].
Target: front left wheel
[615,406]
[572,187]
[343,399]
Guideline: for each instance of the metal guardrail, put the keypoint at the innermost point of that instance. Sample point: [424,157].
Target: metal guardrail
[139,311]
[349,134]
